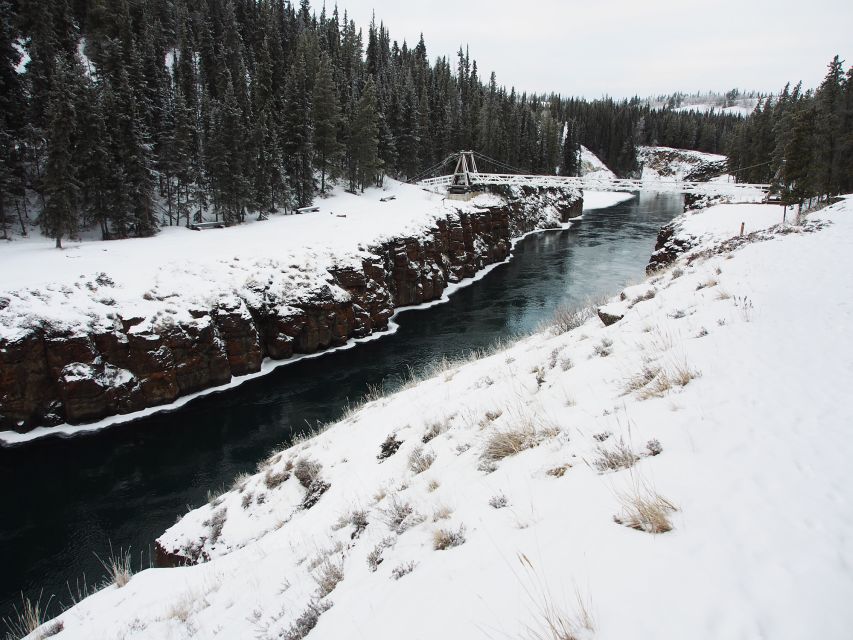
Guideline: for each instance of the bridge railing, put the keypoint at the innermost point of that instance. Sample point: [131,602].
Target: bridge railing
[595,183]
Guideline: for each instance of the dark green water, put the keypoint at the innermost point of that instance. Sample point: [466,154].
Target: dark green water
[63,500]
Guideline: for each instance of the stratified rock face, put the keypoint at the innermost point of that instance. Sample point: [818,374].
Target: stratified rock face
[47,379]
[667,248]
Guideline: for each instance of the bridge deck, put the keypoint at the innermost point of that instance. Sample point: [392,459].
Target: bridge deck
[601,184]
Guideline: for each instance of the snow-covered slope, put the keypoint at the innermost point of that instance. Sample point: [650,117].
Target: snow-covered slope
[591,165]
[497,496]
[666,163]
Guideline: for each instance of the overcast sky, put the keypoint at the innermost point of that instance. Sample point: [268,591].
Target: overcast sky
[627,47]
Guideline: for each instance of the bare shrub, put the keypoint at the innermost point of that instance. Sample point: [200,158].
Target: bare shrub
[654,447]
[246,500]
[646,510]
[442,512]
[566,319]
[307,620]
[273,478]
[403,569]
[420,460]
[675,375]
[307,471]
[314,492]
[374,558]
[433,485]
[677,273]
[603,348]
[388,447]
[443,539]
[539,372]
[435,429]
[216,523]
[498,501]
[327,576]
[400,515]
[616,458]
[601,437]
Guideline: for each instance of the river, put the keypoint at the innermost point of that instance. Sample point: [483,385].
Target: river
[63,500]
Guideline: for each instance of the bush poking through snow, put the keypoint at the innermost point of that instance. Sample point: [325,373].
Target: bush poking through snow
[510,440]
[498,501]
[307,471]
[443,539]
[306,621]
[403,569]
[273,478]
[603,348]
[374,558]
[442,512]
[559,471]
[434,429]
[216,522]
[615,459]
[389,447]
[314,493]
[433,485]
[553,622]
[400,515]
[420,460]
[646,510]
[677,375]
[654,447]
[327,576]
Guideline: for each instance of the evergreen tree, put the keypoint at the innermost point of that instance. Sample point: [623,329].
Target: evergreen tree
[327,149]
[59,217]
[299,135]
[364,139]
[571,151]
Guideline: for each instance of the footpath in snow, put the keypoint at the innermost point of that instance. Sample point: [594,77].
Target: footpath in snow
[681,473]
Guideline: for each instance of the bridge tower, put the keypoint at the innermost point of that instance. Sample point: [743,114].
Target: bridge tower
[465,166]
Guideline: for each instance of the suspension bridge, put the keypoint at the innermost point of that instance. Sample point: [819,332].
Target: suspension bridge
[466,179]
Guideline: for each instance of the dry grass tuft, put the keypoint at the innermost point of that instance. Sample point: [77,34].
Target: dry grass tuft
[273,478]
[327,576]
[117,566]
[639,380]
[435,429]
[603,348]
[649,386]
[307,471]
[525,431]
[400,515]
[374,558]
[559,471]
[443,539]
[619,457]
[420,460]
[646,510]
[498,501]
[433,485]
[28,619]
[566,319]
[442,512]
[403,569]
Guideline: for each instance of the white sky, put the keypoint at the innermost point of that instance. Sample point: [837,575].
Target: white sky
[627,47]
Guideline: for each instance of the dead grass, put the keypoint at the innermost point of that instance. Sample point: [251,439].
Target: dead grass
[400,515]
[435,429]
[117,566]
[274,478]
[618,457]
[639,380]
[443,539]
[553,621]
[655,382]
[603,348]
[525,431]
[442,512]
[28,619]
[327,576]
[388,447]
[646,510]
[566,319]
[403,569]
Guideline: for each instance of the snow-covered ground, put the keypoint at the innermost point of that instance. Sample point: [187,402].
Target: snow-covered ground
[505,498]
[733,110]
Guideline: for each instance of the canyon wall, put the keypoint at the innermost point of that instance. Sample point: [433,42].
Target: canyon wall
[49,377]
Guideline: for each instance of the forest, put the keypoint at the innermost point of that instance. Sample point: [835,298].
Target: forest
[122,116]
[800,141]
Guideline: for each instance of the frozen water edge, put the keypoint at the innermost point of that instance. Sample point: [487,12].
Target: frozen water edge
[592,200]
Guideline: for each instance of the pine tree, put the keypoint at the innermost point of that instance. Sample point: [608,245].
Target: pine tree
[58,219]
[299,135]
[364,139]
[327,149]
[571,151]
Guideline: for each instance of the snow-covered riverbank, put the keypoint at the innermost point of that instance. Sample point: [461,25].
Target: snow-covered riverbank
[500,493]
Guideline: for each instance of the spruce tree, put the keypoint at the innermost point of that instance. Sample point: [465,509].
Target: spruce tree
[364,139]
[58,219]
[327,149]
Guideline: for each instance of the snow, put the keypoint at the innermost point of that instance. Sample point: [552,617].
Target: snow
[734,110]
[755,456]
[667,163]
[21,48]
[592,166]
[200,267]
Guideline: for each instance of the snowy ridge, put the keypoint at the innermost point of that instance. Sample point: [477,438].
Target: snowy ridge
[715,393]
[666,163]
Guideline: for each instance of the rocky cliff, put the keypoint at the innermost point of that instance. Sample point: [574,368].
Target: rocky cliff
[49,376]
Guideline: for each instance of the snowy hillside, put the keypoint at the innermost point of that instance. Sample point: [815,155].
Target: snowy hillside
[682,473]
[591,165]
[665,163]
